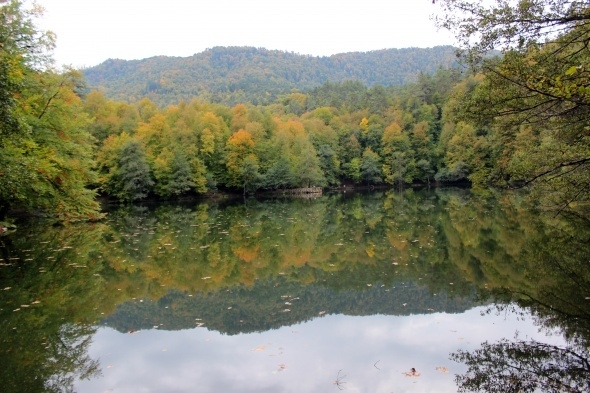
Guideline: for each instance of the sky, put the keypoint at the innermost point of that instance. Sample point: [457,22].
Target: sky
[92,31]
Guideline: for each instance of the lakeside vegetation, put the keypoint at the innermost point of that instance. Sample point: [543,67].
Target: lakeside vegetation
[515,120]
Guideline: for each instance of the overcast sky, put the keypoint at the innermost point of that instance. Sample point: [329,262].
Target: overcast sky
[91,31]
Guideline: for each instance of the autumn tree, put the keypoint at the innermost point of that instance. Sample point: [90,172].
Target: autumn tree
[398,156]
[242,163]
[540,82]
[46,151]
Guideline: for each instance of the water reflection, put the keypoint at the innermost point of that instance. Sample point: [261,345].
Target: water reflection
[377,283]
[555,290]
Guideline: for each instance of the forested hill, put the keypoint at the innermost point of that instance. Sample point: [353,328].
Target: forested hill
[230,75]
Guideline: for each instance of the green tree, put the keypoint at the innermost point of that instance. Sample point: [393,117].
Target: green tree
[132,180]
[251,178]
[371,167]
[280,174]
[540,82]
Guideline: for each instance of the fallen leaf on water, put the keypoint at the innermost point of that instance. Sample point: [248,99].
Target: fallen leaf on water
[412,373]
[442,369]
[260,348]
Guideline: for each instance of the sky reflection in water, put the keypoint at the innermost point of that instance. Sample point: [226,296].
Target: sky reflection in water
[373,263]
[371,354]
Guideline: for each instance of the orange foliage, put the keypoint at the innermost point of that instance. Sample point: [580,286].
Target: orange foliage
[247,254]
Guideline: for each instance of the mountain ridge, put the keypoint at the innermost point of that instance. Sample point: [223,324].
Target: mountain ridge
[230,75]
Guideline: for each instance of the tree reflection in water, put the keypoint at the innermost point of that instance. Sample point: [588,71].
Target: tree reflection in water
[556,288]
[57,283]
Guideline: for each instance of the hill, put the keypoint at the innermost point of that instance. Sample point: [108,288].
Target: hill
[262,307]
[230,75]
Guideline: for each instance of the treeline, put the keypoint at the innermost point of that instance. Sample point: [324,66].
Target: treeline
[338,133]
[233,75]
[521,121]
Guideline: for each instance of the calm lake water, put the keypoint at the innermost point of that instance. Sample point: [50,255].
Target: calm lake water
[344,292]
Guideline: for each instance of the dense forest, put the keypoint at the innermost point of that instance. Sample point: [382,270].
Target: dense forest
[515,120]
[232,75]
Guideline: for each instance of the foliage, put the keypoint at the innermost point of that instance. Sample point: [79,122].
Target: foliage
[524,366]
[370,170]
[533,102]
[233,75]
[132,178]
[44,143]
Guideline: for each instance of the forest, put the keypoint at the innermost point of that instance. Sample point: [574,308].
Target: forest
[233,75]
[519,119]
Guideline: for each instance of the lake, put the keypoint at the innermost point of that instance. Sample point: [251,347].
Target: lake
[393,291]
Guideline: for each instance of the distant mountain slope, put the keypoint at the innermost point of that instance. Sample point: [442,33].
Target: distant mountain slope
[236,74]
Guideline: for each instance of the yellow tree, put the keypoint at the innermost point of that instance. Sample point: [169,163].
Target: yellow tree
[398,156]
[242,162]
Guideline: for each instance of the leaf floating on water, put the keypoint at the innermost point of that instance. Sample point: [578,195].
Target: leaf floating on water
[442,369]
[412,373]
[286,310]
[321,313]
[260,348]
[205,278]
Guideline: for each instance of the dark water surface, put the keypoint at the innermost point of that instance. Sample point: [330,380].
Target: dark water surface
[344,292]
